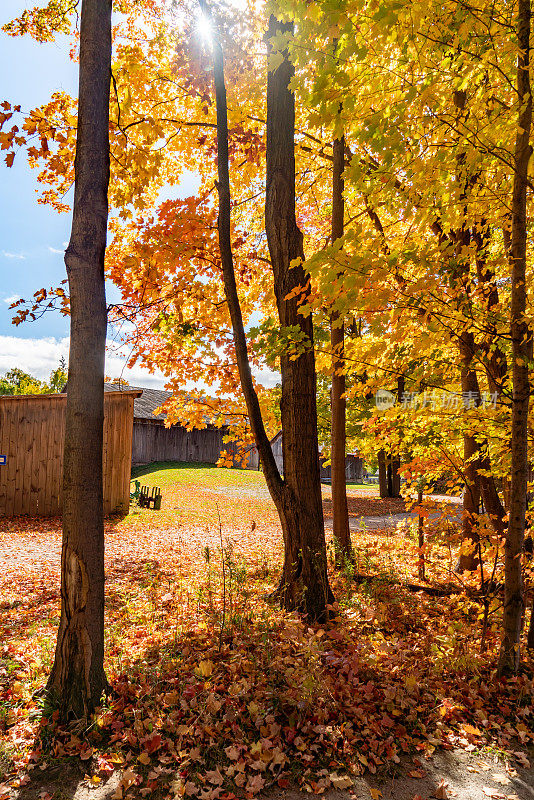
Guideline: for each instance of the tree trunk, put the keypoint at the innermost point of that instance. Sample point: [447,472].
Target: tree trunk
[395,476]
[521,353]
[479,482]
[420,538]
[530,638]
[468,559]
[77,679]
[395,488]
[382,474]
[340,514]
[304,580]
[304,583]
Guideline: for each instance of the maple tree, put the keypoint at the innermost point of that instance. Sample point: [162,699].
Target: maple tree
[77,679]
[304,581]
[338,401]
[521,353]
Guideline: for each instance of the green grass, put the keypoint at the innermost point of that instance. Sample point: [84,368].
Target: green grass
[177,473]
[196,493]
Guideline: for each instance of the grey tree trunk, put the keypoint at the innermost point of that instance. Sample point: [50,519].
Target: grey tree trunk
[77,680]
[509,657]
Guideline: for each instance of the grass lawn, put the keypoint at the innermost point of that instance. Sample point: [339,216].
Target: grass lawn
[210,491]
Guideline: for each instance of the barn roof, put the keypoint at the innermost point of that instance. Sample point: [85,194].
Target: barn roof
[146,404]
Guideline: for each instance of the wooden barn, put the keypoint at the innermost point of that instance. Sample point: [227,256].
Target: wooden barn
[353,463]
[32,429]
[152,441]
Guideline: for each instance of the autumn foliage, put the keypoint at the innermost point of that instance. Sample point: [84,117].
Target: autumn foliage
[430,275]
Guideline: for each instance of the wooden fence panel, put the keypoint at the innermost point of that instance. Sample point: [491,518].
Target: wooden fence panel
[32,429]
[152,441]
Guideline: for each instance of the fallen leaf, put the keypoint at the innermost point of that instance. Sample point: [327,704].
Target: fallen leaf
[340,781]
[205,668]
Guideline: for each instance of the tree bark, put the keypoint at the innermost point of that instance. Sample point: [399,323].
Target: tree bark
[479,482]
[304,580]
[509,657]
[340,514]
[382,474]
[395,459]
[530,638]
[420,538]
[77,680]
[468,559]
[304,583]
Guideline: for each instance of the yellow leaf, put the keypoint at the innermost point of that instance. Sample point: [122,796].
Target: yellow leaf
[205,668]
[411,682]
[470,729]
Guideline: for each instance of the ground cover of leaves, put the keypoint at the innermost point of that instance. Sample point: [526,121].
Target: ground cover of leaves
[218,694]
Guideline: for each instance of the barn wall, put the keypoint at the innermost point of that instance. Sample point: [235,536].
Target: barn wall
[276,447]
[353,469]
[152,441]
[32,428]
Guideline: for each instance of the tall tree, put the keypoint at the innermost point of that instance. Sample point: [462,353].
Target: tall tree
[521,354]
[340,516]
[297,496]
[304,574]
[77,679]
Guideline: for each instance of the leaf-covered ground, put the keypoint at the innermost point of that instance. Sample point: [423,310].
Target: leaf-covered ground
[216,693]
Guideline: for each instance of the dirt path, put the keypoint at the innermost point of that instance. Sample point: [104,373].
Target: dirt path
[450,509]
[454,775]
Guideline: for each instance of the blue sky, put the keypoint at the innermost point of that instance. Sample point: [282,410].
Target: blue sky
[32,236]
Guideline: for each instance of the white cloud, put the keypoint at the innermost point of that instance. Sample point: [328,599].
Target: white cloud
[11,299]
[40,356]
[55,250]
[36,356]
[267,377]
[20,256]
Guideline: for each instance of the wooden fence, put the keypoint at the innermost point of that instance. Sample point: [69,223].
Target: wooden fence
[32,428]
[152,441]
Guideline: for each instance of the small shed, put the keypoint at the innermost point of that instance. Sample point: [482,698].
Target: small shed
[152,441]
[32,428]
